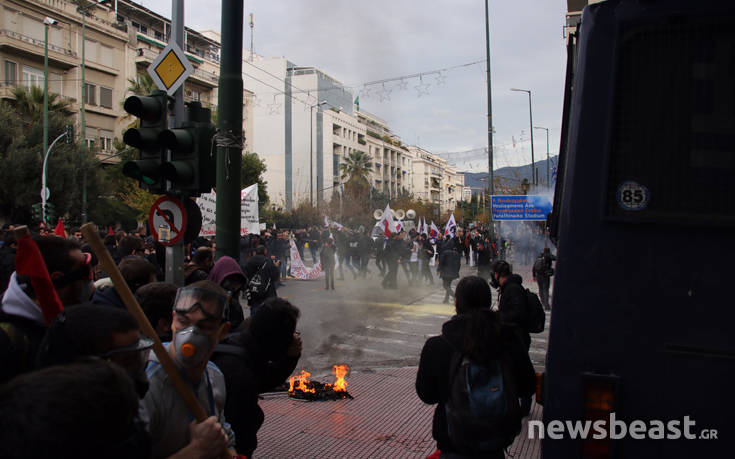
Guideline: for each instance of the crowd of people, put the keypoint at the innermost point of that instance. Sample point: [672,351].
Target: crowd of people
[84,382]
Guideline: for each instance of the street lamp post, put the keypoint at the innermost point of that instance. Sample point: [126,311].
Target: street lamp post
[491,178]
[548,164]
[46,22]
[311,149]
[530,116]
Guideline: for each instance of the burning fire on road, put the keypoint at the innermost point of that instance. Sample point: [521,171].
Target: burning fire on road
[302,388]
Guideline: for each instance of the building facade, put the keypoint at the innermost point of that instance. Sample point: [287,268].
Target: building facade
[121,39]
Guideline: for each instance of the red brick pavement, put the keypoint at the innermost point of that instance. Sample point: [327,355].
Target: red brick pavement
[385,420]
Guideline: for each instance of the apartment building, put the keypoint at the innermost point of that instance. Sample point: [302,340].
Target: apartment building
[121,39]
[107,60]
[435,181]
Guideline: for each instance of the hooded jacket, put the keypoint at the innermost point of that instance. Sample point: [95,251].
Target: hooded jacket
[432,378]
[250,370]
[225,267]
[22,327]
[513,306]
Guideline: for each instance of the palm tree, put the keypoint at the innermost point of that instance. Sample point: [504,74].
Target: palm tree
[356,166]
[29,104]
[143,86]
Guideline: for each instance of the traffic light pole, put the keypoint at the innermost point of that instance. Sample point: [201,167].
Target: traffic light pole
[175,254]
[229,137]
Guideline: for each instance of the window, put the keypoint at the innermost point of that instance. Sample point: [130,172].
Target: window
[32,77]
[11,73]
[143,29]
[105,97]
[105,141]
[106,56]
[90,144]
[90,94]
[158,35]
[54,83]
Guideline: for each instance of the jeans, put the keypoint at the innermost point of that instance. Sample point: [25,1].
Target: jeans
[447,283]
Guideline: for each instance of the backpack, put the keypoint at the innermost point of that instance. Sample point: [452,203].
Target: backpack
[536,313]
[482,411]
[256,285]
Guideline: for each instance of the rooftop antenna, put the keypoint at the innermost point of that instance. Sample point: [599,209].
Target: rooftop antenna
[252,24]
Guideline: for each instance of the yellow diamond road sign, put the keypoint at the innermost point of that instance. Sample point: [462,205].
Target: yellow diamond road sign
[170,69]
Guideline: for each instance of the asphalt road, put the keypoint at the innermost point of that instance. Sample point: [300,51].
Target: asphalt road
[366,327]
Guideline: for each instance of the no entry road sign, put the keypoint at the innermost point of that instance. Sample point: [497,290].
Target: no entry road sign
[167,220]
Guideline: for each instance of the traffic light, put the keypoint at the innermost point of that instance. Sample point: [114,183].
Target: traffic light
[50,213]
[192,168]
[36,212]
[152,111]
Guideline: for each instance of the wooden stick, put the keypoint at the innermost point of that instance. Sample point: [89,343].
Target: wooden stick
[92,236]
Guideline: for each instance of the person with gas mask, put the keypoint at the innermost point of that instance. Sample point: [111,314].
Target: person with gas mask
[228,275]
[256,359]
[199,322]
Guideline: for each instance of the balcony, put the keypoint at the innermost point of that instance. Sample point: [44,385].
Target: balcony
[18,43]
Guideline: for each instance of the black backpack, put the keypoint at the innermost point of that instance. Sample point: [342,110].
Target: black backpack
[536,314]
[482,411]
[257,286]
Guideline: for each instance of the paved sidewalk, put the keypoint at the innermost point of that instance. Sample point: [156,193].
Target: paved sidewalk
[385,420]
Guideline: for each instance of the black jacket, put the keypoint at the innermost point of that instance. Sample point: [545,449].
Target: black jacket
[246,376]
[449,264]
[432,379]
[270,270]
[513,306]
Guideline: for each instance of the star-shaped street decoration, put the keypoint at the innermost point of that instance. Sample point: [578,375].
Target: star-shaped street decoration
[422,89]
[274,108]
[384,94]
[403,85]
[440,79]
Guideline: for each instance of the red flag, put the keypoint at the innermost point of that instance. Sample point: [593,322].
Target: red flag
[109,230]
[60,230]
[29,262]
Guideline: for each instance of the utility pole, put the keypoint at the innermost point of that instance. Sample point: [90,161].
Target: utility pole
[491,178]
[82,120]
[175,253]
[252,24]
[46,22]
[229,136]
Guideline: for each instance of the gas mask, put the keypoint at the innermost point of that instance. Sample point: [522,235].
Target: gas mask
[192,347]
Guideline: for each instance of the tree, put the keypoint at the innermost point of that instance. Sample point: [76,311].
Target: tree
[356,166]
[21,158]
[252,171]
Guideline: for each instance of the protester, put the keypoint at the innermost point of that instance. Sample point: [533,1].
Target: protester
[512,305]
[254,360]
[227,274]
[200,266]
[542,272]
[199,322]
[22,321]
[157,301]
[448,268]
[477,334]
[326,257]
[267,273]
[7,259]
[78,411]
[88,330]
[137,272]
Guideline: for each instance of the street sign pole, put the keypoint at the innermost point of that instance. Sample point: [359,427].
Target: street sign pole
[175,254]
[229,138]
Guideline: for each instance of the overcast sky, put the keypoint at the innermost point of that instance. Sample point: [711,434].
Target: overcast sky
[358,42]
